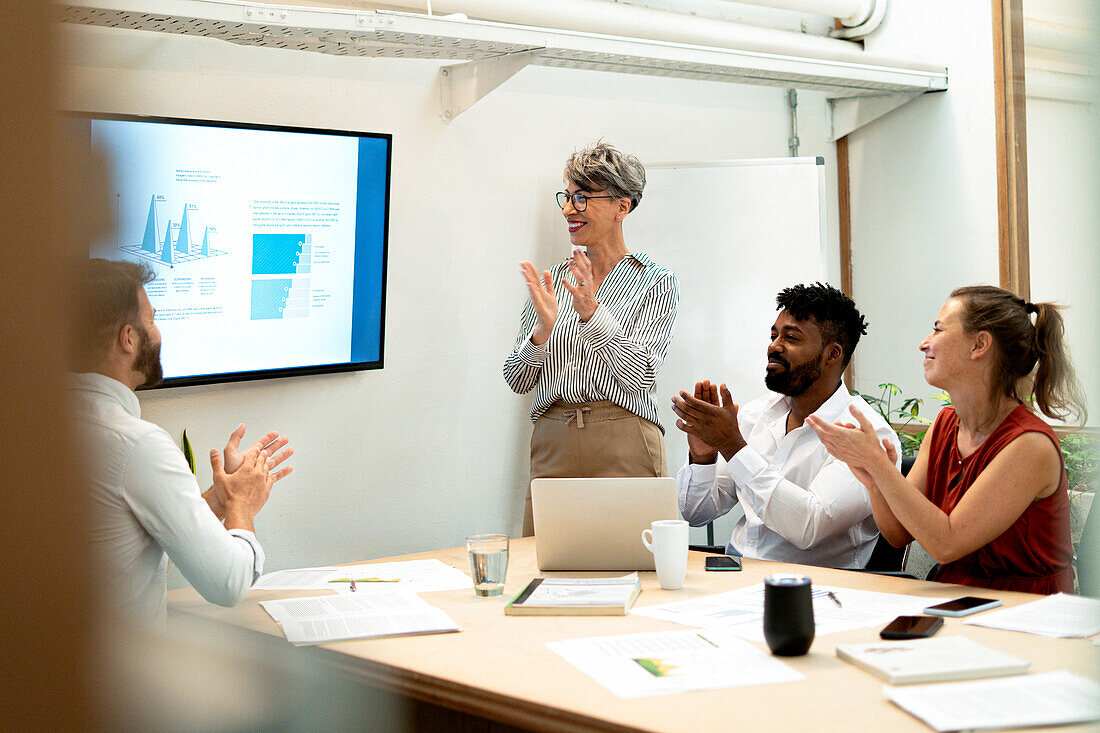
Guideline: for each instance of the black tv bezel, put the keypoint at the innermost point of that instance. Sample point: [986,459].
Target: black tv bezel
[298,371]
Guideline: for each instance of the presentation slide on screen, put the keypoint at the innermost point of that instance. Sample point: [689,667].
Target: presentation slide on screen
[252,235]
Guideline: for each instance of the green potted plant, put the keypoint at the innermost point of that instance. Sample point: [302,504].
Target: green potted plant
[1079,453]
[906,419]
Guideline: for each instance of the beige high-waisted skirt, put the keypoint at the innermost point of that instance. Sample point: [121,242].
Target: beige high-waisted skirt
[592,440]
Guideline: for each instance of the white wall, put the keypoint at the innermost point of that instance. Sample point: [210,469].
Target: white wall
[924,190]
[434,446]
[1063,184]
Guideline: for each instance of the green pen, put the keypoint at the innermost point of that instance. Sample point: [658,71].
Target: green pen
[706,640]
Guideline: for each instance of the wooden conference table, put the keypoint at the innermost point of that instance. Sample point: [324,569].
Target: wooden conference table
[499,669]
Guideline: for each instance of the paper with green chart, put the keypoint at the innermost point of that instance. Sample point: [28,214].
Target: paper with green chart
[667,662]
[418,576]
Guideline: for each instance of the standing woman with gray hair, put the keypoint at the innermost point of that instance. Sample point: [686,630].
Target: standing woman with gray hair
[594,333]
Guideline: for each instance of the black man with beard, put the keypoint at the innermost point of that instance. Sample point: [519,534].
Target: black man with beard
[801,505]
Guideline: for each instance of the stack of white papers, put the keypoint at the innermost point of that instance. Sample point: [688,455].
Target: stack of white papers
[418,576]
[1060,615]
[741,611]
[1051,698]
[321,619]
[666,662]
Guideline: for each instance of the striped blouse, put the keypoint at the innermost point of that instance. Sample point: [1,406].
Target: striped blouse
[615,355]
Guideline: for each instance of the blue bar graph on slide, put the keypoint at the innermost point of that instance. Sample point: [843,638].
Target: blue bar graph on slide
[183,239]
[280,254]
[178,244]
[167,255]
[269,298]
[149,240]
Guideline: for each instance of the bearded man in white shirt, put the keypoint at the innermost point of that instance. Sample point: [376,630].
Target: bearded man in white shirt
[146,505]
[801,505]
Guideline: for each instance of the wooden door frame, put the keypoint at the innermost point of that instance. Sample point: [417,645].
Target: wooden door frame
[1010,109]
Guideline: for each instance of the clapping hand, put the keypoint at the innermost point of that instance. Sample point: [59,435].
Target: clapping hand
[232,459]
[271,443]
[711,424]
[856,444]
[544,300]
[245,491]
[584,292]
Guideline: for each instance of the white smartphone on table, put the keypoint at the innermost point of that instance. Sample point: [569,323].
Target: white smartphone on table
[962,606]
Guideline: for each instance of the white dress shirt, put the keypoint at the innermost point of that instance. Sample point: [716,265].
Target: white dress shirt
[146,507]
[801,504]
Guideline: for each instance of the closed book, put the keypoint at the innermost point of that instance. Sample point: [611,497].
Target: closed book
[931,660]
[576,597]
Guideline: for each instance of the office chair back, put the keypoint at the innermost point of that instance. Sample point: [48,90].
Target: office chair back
[1087,558]
[885,557]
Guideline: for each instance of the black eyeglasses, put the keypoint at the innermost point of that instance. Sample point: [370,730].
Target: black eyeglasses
[580,200]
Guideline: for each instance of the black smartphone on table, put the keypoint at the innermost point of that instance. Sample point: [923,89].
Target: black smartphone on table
[911,627]
[722,562]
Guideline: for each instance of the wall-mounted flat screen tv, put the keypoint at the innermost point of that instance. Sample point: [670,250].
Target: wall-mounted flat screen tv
[268,243]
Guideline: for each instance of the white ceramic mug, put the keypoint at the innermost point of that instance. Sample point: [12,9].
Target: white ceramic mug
[667,539]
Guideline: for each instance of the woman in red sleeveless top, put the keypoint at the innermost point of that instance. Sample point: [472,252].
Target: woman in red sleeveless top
[987,495]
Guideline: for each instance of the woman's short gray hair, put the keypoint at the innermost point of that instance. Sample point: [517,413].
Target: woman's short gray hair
[601,167]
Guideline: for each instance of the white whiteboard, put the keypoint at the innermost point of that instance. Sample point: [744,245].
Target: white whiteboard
[736,233]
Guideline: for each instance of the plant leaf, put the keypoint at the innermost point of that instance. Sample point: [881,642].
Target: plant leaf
[188,454]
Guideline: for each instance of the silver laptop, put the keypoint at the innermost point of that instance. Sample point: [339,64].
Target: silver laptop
[597,523]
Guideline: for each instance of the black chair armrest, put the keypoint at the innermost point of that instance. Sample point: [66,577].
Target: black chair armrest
[891,573]
[712,549]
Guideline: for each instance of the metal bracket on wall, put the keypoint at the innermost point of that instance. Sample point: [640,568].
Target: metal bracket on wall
[792,107]
[851,113]
[464,84]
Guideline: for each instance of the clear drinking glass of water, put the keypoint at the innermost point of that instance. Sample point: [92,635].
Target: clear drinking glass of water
[488,562]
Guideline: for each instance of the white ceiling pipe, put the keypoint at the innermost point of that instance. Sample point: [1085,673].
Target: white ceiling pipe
[849,12]
[1058,37]
[866,27]
[616,19]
